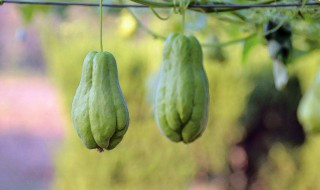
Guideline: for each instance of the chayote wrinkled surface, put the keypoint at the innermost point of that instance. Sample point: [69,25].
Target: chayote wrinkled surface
[182,96]
[99,112]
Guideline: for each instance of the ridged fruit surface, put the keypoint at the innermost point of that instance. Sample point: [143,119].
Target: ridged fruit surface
[99,111]
[182,96]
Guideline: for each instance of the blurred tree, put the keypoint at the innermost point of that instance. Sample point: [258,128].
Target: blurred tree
[269,118]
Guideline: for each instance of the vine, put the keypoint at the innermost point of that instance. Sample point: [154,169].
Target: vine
[158,15]
[101,44]
[206,8]
[146,29]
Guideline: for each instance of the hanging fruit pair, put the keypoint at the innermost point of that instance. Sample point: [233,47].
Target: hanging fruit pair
[280,47]
[182,96]
[99,111]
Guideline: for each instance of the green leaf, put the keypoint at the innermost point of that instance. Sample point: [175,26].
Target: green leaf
[248,44]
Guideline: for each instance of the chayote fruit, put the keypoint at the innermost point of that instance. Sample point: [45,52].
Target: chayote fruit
[309,107]
[99,112]
[182,95]
[80,104]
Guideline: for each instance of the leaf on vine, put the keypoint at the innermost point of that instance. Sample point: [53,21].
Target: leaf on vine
[248,45]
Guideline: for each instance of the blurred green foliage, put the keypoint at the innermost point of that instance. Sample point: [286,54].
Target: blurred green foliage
[145,159]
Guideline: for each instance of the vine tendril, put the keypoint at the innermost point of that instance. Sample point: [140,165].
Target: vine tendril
[158,15]
[145,28]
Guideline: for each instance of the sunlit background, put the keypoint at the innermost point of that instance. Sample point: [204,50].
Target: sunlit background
[252,138]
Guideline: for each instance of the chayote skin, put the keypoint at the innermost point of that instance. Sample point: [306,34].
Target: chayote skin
[80,104]
[182,96]
[309,107]
[99,111]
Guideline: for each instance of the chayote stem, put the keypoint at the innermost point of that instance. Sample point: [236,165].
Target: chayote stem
[101,45]
[184,4]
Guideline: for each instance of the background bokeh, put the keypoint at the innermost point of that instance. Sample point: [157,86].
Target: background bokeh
[41,57]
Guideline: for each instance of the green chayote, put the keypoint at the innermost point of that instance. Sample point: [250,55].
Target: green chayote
[99,112]
[182,95]
[309,107]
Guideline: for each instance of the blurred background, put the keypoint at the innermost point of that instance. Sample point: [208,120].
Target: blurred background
[253,139]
